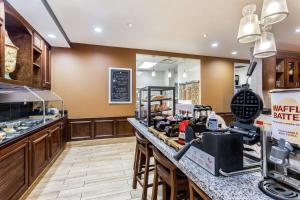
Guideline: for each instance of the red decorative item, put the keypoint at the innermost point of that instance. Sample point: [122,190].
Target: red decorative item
[183,125]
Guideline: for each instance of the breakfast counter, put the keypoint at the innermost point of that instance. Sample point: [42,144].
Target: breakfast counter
[24,157]
[241,187]
[25,133]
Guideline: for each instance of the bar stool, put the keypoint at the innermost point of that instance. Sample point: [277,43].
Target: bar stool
[196,193]
[142,167]
[172,178]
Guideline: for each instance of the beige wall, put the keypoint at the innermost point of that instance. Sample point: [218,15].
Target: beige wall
[80,76]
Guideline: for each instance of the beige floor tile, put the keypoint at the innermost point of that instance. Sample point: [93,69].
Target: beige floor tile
[91,170]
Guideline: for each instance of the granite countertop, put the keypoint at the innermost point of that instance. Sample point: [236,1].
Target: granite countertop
[239,187]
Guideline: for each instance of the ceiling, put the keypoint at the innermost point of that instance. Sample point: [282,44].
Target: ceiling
[164,25]
[163,63]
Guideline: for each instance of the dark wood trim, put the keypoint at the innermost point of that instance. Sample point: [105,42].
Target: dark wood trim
[56,21]
[113,127]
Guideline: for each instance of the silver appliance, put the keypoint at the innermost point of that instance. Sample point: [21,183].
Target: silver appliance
[281,168]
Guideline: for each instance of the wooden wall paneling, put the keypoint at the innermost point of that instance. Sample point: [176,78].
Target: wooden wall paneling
[123,128]
[39,151]
[14,170]
[81,129]
[104,128]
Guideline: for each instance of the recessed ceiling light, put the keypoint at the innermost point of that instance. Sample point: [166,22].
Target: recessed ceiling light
[205,35]
[51,36]
[234,52]
[97,29]
[147,65]
[130,25]
[298,30]
[215,44]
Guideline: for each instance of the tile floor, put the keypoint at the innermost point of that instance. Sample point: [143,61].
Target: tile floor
[90,170]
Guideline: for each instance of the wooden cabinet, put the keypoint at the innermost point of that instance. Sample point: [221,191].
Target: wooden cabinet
[292,73]
[23,161]
[281,71]
[55,139]
[33,52]
[47,68]
[14,170]
[39,153]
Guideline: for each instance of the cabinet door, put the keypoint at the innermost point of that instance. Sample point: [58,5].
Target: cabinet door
[14,170]
[47,68]
[291,73]
[39,154]
[55,140]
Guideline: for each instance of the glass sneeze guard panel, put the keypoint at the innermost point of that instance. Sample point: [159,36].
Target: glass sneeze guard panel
[23,94]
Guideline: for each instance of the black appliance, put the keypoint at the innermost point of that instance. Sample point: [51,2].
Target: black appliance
[222,152]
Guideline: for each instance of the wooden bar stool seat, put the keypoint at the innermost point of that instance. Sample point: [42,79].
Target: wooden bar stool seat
[171,177]
[142,166]
[196,193]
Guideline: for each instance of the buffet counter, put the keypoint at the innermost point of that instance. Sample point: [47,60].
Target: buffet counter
[33,125]
[239,187]
[26,157]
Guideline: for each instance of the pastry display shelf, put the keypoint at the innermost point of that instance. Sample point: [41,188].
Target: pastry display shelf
[159,111]
[158,100]
[153,101]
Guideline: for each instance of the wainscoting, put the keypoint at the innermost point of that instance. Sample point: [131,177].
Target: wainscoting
[96,128]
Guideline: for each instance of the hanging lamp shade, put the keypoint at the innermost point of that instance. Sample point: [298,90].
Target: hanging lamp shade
[265,46]
[274,11]
[249,29]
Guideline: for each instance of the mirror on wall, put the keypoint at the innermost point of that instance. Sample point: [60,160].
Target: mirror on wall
[183,73]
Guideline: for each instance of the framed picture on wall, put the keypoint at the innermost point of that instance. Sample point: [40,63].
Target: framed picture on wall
[120,85]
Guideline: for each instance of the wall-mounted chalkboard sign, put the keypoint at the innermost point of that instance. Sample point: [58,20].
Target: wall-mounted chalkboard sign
[120,85]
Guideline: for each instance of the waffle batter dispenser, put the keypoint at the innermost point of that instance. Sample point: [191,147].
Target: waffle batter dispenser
[281,147]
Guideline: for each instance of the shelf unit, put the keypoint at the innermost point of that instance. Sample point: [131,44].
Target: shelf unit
[281,71]
[146,114]
[33,54]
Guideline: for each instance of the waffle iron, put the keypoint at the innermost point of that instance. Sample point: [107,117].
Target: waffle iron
[246,106]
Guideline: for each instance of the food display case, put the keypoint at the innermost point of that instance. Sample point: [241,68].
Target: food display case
[23,109]
[156,101]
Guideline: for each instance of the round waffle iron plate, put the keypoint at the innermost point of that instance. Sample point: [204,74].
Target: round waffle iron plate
[246,105]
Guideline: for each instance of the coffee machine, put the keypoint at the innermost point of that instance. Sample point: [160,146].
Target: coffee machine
[281,147]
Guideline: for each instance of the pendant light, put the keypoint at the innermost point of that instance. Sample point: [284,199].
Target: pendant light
[153,73]
[265,46]
[169,74]
[249,28]
[274,11]
[184,74]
